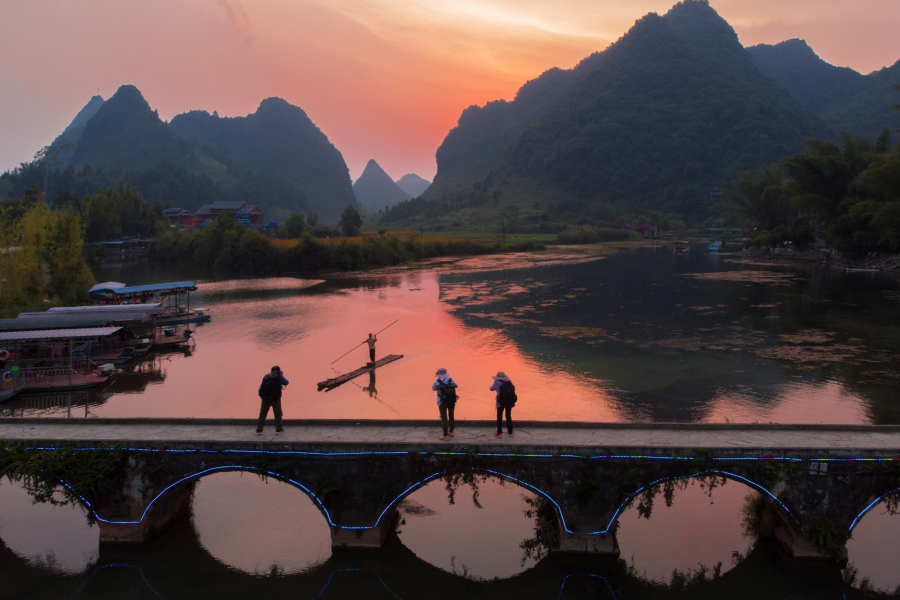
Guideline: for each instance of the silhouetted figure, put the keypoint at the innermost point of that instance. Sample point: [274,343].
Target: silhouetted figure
[446,399]
[505,400]
[371,342]
[270,394]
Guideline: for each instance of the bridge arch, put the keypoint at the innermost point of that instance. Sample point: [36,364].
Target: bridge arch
[717,472]
[870,506]
[564,526]
[194,477]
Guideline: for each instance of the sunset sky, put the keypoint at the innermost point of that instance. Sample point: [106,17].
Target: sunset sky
[384,79]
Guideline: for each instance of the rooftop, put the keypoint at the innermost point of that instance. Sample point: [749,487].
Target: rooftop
[220,205]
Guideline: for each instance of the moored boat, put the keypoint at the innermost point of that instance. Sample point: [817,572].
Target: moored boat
[169,295]
[59,359]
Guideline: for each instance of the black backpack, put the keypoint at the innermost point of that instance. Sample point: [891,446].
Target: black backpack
[507,395]
[270,388]
[447,392]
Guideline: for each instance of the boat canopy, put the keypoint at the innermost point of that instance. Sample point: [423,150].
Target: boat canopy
[106,285]
[189,286]
[57,334]
[150,308]
[113,312]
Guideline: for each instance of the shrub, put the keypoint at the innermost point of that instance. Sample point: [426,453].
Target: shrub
[587,234]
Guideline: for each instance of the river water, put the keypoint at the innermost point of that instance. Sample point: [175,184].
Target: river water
[636,335]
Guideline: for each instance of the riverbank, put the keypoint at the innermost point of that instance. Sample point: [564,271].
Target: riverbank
[242,251]
[881,263]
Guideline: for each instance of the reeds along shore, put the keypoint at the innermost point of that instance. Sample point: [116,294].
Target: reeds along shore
[244,251]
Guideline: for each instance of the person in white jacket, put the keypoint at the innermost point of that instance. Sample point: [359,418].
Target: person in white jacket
[446,400]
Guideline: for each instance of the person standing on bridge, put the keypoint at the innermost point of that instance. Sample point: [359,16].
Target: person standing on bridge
[505,400]
[446,400]
[270,395]
[371,342]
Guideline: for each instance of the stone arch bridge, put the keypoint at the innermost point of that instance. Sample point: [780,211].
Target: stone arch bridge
[819,480]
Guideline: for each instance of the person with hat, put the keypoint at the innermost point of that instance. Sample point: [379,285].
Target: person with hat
[270,395]
[446,400]
[504,400]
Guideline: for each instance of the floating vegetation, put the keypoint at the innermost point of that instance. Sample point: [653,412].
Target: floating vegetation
[804,354]
[773,305]
[573,333]
[477,264]
[748,276]
[807,336]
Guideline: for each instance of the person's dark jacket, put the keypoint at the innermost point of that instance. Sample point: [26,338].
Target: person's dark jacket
[276,391]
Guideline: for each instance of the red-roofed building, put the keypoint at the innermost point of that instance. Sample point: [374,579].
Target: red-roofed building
[212,212]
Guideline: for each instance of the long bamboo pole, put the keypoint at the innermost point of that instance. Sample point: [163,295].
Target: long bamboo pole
[358,345]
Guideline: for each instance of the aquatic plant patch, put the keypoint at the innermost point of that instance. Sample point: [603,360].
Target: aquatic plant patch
[773,278]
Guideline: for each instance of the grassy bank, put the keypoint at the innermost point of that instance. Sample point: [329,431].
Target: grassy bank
[232,249]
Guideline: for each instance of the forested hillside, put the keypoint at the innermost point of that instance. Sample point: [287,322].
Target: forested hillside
[279,143]
[275,158]
[673,109]
[68,139]
[475,146]
[845,99]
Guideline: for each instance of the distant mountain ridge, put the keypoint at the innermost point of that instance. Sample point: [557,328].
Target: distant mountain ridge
[674,108]
[275,157]
[413,185]
[376,190]
[845,99]
[72,133]
[278,141]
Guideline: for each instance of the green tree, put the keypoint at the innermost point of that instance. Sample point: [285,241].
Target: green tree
[350,222]
[70,275]
[758,198]
[294,226]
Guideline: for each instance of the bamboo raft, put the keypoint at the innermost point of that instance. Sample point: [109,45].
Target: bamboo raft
[330,384]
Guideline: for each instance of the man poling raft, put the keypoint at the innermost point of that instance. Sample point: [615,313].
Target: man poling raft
[372,364]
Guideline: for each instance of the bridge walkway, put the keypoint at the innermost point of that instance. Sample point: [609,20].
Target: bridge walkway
[413,434]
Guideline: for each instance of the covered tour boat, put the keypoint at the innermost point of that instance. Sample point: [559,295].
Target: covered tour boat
[169,295]
[58,359]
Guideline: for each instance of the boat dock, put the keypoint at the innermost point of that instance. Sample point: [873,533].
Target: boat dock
[330,384]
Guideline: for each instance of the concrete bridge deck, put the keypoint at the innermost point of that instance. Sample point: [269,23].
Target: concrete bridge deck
[865,439]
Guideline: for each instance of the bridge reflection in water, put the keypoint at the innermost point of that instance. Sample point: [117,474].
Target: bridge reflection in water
[179,568]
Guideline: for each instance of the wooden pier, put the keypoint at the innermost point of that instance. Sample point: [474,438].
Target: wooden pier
[330,384]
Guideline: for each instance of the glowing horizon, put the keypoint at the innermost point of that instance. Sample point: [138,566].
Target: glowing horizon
[383,79]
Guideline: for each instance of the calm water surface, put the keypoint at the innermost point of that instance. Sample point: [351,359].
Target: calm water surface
[640,335]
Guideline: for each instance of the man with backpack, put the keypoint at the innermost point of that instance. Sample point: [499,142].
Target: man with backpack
[505,400]
[270,394]
[446,400]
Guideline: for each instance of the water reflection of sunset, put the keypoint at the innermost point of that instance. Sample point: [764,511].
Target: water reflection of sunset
[304,333]
[692,349]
